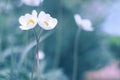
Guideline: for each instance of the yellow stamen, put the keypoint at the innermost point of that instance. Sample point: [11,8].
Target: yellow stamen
[46,23]
[30,21]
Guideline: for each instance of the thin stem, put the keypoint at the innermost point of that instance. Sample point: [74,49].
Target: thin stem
[40,33]
[75,55]
[37,50]
[33,65]
[38,65]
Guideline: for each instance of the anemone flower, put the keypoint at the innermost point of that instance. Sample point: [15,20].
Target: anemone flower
[28,21]
[85,24]
[46,21]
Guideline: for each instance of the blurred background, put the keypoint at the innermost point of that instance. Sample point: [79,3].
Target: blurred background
[98,51]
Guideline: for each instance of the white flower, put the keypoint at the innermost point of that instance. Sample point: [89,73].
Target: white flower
[32,2]
[84,23]
[46,21]
[28,21]
[41,55]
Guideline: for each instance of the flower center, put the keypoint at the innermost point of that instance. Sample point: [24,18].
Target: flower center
[46,23]
[30,21]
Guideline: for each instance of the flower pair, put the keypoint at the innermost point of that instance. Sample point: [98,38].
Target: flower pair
[45,21]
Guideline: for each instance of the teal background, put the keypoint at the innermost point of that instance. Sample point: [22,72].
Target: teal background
[95,49]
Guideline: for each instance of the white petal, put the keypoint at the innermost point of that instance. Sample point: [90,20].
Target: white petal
[48,15]
[34,15]
[87,25]
[23,28]
[42,15]
[47,27]
[21,20]
[42,25]
[28,17]
[26,27]
[53,23]
[77,18]
[31,3]
[37,2]
[34,12]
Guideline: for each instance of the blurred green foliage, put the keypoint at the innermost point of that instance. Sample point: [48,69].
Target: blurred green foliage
[16,53]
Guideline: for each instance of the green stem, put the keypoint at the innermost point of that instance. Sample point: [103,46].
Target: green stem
[36,55]
[33,65]
[41,30]
[75,55]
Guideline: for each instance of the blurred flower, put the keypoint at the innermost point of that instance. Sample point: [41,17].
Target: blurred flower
[5,7]
[83,23]
[28,21]
[32,2]
[109,72]
[46,21]
[41,55]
